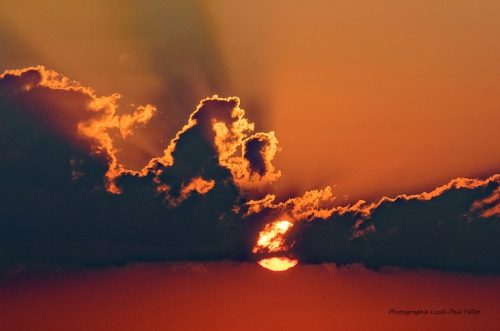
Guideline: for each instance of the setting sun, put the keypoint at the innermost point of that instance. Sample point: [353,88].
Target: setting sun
[278,263]
[271,241]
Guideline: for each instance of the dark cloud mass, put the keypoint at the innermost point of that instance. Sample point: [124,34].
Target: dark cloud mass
[66,199]
[441,232]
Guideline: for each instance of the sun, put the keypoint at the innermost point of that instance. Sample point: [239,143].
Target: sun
[271,240]
[278,263]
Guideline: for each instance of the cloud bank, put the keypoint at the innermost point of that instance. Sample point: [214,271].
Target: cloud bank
[65,198]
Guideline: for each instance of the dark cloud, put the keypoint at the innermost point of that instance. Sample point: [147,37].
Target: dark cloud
[66,199]
[253,153]
[440,232]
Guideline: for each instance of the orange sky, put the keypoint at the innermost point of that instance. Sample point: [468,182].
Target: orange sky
[380,99]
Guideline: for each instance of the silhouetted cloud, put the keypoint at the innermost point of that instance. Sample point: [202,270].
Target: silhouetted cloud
[488,206]
[443,229]
[65,198]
